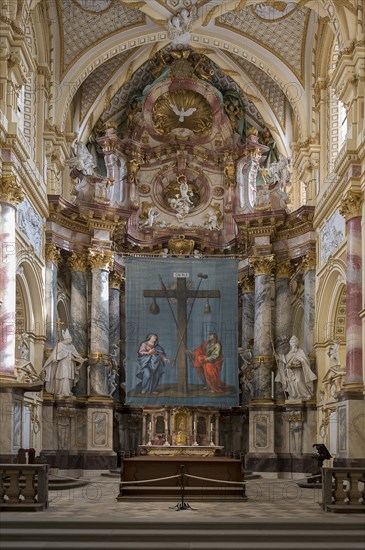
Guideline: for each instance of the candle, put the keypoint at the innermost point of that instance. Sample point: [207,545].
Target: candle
[211,427]
[194,426]
[150,426]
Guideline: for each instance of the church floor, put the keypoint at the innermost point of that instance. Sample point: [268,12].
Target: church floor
[267,499]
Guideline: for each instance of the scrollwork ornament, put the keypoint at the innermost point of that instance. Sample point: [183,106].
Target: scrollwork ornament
[52,254]
[116,280]
[284,268]
[263,265]
[350,206]
[11,191]
[309,262]
[181,246]
[100,259]
[247,284]
[78,262]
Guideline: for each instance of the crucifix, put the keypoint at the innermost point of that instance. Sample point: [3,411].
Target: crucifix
[182,293]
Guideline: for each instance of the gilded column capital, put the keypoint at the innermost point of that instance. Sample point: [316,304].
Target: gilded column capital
[284,268]
[116,280]
[294,416]
[11,191]
[78,262]
[263,265]
[350,205]
[309,262]
[100,259]
[247,284]
[52,253]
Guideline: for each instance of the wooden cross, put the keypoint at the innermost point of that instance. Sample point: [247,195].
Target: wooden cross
[181,293]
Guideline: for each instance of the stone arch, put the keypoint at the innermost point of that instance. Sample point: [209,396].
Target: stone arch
[63,311]
[330,288]
[29,288]
[267,62]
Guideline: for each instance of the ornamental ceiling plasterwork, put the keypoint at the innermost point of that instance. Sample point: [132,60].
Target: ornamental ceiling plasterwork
[267,86]
[143,77]
[81,27]
[140,78]
[95,82]
[284,37]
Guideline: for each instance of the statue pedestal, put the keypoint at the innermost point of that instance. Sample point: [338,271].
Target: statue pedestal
[78,433]
[13,418]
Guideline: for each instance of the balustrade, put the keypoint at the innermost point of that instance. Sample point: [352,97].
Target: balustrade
[23,487]
[343,489]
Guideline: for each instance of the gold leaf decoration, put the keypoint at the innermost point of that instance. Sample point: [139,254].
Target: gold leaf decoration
[211,13]
[182,109]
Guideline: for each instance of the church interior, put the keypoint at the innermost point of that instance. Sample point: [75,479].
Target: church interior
[182,225]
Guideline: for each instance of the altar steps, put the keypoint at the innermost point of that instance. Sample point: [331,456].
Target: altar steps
[184,533]
[155,493]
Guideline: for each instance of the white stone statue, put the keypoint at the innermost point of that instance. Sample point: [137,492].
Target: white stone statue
[246,376]
[152,215]
[334,355]
[212,221]
[182,202]
[294,372]
[280,171]
[61,370]
[82,161]
[23,346]
[180,25]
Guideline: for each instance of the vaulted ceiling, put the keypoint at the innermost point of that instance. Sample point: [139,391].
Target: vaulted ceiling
[105,47]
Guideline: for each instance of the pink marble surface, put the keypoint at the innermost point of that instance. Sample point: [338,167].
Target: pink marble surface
[7,289]
[354,301]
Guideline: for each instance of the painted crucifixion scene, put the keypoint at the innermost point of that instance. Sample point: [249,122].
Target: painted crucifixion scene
[182,334]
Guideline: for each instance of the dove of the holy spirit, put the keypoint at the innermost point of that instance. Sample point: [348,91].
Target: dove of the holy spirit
[181,113]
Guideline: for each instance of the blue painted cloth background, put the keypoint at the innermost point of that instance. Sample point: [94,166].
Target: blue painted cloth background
[154,274]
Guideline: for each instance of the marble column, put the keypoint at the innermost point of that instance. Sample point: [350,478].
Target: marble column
[283,316]
[11,194]
[263,346]
[248,311]
[115,281]
[79,318]
[283,308]
[350,208]
[100,261]
[309,268]
[53,257]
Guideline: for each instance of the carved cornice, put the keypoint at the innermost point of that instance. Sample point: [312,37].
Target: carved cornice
[52,253]
[309,262]
[11,191]
[350,205]
[116,280]
[100,259]
[78,262]
[247,284]
[263,265]
[284,268]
